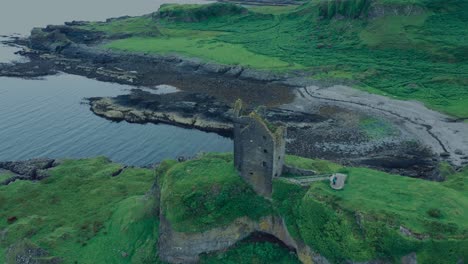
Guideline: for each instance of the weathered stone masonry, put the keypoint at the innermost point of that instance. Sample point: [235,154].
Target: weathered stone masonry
[259,150]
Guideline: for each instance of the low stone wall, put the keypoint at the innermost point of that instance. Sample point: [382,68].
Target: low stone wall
[298,171]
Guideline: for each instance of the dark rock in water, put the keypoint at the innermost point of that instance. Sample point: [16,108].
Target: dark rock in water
[25,252]
[34,169]
[26,70]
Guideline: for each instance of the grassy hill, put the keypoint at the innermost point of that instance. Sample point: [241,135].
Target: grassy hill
[83,214]
[404,49]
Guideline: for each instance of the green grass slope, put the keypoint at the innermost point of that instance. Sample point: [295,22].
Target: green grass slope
[421,56]
[363,221]
[81,214]
[79,206]
[201,194]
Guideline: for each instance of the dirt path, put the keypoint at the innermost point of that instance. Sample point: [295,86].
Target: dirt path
[444,135]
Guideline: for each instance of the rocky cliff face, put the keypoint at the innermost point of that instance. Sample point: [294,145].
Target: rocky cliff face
[178,247]
[377,10]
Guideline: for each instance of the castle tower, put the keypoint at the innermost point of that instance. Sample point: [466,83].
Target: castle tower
[259,150]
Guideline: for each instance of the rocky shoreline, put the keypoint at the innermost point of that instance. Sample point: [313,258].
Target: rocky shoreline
[335,136]
[32,170]
[330,130]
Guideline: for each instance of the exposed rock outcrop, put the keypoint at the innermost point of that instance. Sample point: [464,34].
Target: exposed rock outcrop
[377,10]
[25,252]
[34,169]
[193,110]
[179,247]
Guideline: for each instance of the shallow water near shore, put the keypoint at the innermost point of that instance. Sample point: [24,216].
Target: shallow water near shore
[50,118]
[20,16]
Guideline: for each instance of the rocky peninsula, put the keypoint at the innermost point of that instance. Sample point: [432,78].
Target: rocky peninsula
[322,126]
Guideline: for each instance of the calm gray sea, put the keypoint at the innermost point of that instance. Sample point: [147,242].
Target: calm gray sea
[47,117]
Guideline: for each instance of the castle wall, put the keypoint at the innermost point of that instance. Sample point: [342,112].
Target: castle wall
[258,153]
[279,152]
[254,155]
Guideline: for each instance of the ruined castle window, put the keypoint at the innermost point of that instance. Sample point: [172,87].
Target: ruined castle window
[279,157]
[276,174]
[264,137]
[265,151]
[251,173]
[264,164]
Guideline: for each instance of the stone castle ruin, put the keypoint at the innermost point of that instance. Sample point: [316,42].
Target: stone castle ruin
[259,150]
[259,153]
[259,157]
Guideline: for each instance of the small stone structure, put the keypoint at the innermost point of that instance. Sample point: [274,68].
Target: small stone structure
[337,181]
[259,150]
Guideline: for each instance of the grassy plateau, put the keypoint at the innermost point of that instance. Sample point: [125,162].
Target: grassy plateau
[418,54]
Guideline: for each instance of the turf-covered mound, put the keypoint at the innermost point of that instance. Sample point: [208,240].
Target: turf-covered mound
[197,13]
[205,193]
[378,215]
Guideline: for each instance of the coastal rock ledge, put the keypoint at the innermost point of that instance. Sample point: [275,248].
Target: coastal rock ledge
[179,247]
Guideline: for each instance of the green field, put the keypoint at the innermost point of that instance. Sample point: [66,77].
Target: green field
[204,48]
[421,56]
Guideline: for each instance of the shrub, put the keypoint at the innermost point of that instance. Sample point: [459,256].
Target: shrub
[436,213]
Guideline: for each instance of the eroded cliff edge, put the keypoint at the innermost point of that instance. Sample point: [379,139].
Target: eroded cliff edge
[200,217]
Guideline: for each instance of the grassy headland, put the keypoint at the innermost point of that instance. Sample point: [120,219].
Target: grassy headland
[83,214]
[419,54]
[364,221]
